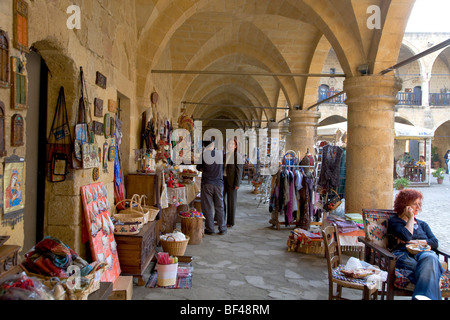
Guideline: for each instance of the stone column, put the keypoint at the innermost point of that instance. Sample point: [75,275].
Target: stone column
[370,147]
[425,90]
[303,131]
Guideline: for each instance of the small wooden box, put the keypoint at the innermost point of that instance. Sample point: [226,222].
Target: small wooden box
[9,263]
[122,288]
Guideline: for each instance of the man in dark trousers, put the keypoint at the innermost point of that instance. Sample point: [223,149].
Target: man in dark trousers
[212,189]
[232,177]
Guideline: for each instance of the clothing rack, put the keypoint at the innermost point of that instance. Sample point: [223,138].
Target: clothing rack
[311,195]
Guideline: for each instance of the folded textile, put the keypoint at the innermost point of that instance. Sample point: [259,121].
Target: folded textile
[51,257]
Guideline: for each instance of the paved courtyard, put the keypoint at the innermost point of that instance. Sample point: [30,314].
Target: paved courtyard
[251,261]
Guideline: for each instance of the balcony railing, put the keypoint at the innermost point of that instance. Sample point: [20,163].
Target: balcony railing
[337,100]
[409,99]
[404,98]
[439,99]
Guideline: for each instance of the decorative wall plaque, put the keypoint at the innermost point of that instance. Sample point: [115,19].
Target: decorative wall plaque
[17,129]
[98,128]
[113,126]
[100,80]
[107,126]
[4,59]
[21,25]
[18,84]
[98,107]
[112,106]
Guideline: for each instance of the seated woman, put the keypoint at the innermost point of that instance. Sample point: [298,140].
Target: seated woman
[424,268]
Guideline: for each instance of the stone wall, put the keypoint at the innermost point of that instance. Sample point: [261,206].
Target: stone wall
[105,43]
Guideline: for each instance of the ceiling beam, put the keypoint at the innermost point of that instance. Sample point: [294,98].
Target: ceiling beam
[232,106]
[242,73]
[239,120]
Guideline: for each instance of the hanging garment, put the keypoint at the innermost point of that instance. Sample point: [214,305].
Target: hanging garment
[331,165]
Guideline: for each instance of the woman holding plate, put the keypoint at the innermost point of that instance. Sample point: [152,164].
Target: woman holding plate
[423,269]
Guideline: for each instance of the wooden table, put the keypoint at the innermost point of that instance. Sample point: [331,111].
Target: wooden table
[413,173]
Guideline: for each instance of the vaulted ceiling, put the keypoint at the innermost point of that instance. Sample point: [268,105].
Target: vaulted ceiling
[240,39]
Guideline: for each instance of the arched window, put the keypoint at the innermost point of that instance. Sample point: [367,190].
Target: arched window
[17,129]
[4,59]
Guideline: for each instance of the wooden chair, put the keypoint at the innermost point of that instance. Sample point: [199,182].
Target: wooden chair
[375,241]
[249,171]
[333,255]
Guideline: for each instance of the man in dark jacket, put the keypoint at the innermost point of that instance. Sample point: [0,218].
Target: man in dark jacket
[212,189]
[232,177]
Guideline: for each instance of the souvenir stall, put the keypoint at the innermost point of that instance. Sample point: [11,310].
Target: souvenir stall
[168,188]
[330,197]
[292,191]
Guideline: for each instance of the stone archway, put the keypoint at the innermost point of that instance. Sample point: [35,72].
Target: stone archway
[63,212]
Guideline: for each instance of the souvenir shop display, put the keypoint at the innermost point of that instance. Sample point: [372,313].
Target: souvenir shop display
[61,270]
[100,229]
[59,143]
[119,183]
[167,267]
[175,243]
[192,225]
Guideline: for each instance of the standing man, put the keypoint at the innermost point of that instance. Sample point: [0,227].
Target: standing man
[447,160]
[212,189]
[232,177]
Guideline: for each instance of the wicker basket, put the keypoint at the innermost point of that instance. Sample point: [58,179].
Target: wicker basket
[127,228]
[415,248]
[93,277]
[316,247]
[130,214]
[174,248]
[139,208]
[152,211]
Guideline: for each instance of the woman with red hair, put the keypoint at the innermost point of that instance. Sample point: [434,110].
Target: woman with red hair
[423,269]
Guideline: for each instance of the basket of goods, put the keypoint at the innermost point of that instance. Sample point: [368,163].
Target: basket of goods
[134,213]
[334,201]
[127,228]
[416,248]
[192,225]
[174,243]
[152,211]
[57,265]
[303,241]
[167,269]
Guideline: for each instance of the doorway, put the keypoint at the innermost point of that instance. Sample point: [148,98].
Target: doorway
[36,124]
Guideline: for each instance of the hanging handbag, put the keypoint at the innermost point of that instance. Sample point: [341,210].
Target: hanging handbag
[59,142]
[164,197]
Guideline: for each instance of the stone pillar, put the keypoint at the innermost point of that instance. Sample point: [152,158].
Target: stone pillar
[303,131]
[370,147]
[425,90]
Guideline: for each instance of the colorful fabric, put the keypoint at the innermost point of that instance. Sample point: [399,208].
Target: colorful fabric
[402,282]
[375,225]
[51,257]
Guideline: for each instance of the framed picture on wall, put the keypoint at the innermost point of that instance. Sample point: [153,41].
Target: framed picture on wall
[14,186]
